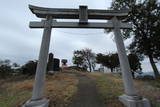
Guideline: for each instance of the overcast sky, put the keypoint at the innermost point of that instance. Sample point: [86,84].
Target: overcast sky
[19,43]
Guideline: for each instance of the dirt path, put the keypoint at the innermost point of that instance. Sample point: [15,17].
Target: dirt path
[87,95]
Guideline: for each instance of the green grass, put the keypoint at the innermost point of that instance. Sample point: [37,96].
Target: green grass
[155,83]
[109,88]
[157,105]
[14,99]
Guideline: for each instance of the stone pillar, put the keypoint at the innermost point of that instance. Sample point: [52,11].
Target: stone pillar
[64,62]
[130,98]
[56,65]
[37,99]
[51,63]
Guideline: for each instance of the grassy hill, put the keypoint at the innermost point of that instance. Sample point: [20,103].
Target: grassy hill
[61,87]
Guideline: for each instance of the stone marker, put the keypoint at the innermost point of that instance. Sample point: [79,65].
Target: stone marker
[56,67]
[50,63]
[53,64]
[64,62]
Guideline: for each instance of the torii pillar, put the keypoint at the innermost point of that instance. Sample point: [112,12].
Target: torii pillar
[130,98]
[37,99]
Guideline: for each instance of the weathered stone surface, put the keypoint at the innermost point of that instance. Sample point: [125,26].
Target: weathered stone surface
[124,63]
[63,13]
[37,103]
[41,68]
[64,62]
[50,62]
[56,64]
[134,101]
[131,99]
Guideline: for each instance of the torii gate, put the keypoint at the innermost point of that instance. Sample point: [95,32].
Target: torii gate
[130,98]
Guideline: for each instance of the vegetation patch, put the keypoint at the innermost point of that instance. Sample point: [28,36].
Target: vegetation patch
[110,87]
[59,88]
[149,89]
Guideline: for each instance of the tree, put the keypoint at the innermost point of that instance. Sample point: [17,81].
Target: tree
[15,65]
[5,68]
[84,58]
[29,68]
[104,60]
[135,64]
[110,61]
[77,58]
[114,60]
[145,18]
[88,58]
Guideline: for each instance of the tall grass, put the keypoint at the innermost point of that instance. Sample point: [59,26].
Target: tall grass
[59,88]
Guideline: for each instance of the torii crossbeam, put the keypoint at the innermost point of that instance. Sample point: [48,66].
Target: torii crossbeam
[130,98]
[65,13]
[83,14]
